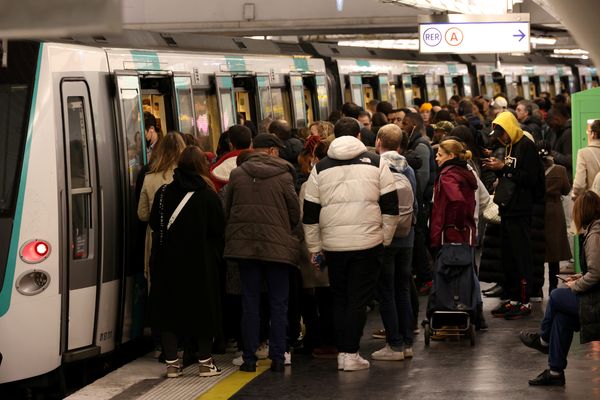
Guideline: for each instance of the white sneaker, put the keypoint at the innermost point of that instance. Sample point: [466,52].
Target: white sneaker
[388,354]
[340,359]
[287,358]
[262,352]
[408,352]
[237,361]
[354,362]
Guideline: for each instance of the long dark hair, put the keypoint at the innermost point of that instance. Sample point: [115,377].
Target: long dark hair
[586,210]
[193,159]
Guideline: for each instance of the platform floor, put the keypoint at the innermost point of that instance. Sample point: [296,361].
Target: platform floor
[498,367]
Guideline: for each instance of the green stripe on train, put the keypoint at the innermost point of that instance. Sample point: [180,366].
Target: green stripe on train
[6,291]
[146,60]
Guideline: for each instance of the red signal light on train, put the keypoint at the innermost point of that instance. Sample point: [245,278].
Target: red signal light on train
[35,251]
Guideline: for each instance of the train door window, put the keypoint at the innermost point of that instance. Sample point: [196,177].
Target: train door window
[544,84]
[432,88]
[297,97]
[322,97]
[525,87]
[82,212]
[206,118]
[407,88]
[419,87]
[384,88]
[264,96]
[281,104]
[226,101]
[465,87]
[184,102]
[356,90]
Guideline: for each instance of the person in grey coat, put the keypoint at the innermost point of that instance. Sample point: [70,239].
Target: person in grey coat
[261,209]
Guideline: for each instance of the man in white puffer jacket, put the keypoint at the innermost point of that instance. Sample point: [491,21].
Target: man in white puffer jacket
[350,213]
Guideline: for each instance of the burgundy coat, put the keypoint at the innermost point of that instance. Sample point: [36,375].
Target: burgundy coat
[453,209]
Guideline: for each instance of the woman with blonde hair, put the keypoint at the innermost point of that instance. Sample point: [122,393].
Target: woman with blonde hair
[453,213]
[163,163]
[189,225]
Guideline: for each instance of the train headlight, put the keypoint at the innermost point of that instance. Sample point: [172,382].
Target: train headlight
[32,282]
[35,251]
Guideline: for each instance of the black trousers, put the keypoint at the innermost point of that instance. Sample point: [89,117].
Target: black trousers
[517,260]
[170,342]
[353,276]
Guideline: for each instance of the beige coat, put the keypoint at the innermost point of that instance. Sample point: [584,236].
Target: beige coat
[152,182]
[587,167]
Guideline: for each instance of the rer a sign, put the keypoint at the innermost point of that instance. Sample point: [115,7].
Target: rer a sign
[470,36]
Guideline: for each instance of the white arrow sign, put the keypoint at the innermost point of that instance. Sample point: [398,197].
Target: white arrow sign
[474,37]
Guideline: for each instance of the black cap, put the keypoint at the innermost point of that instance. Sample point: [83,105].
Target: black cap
[265,140]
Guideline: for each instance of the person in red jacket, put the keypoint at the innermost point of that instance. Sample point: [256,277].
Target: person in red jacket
[453,213]
[240,138]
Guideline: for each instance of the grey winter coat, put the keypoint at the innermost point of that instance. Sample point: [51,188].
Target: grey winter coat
[588,287]
[261,209]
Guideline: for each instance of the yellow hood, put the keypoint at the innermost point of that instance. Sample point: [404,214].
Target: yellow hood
[510,124]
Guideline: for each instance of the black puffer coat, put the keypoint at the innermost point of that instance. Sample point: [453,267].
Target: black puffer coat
[185,264]
[262,209]
[588,287]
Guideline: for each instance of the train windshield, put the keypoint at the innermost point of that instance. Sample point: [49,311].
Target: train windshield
[17,76]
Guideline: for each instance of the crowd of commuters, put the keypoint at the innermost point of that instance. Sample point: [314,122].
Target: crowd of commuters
[287,228]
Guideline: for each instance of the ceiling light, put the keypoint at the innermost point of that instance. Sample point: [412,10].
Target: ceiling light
[571,51]
[398,44]
[460,6]
[543,40]
[579,57]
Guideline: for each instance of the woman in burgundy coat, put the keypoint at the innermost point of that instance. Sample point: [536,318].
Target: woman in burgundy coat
[453,213]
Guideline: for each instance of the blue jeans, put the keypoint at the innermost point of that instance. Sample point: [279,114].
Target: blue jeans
[560,321]
[387,299]
[251,276]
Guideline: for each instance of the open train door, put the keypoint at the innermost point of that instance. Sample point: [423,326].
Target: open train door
[132,150]
[297,99]
[356,89]
[225,99]
[265,102]
[81,219]
[184,102]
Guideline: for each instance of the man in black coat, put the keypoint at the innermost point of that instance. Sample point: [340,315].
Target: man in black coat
[521,184]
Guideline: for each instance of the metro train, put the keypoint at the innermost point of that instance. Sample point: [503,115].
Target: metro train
[71,148]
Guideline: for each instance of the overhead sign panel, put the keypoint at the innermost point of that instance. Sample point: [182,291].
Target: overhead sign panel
[475,35]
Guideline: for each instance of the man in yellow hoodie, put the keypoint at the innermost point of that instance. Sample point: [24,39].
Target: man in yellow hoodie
[521,184]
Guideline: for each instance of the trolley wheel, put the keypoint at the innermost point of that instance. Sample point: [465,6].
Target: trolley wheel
[427,333]
[472,334]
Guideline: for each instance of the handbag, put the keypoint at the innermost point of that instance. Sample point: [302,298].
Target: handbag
[504,191]
[491,214]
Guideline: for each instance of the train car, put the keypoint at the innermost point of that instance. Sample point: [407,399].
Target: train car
[72,147]
[362,74]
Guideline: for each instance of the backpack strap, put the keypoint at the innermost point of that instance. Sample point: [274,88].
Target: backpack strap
[179,208]
[550,169]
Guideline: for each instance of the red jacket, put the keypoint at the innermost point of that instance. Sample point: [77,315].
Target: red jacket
[453,205]
[220,171]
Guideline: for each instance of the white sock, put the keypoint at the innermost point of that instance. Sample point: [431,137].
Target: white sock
[554,373]
[543,342]
[204,361]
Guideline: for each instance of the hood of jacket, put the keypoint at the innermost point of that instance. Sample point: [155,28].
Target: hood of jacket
[345,148]
[395,160]
[594,227]
[459,167]
[261,165]
[510,124]
[188,180]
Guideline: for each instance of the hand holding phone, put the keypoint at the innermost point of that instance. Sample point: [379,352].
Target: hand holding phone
[561,278]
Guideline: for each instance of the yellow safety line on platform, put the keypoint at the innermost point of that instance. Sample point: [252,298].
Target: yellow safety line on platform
[233,383]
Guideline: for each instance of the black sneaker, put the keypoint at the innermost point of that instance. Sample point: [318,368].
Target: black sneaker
[502,309]
[245,367]
[519,311]
[532,339]
[277,366]
[547,379]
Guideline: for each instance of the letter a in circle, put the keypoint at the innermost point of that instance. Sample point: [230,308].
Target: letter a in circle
[454,36]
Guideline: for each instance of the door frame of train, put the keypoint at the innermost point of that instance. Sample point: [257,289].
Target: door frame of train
[355,83]
[82,283]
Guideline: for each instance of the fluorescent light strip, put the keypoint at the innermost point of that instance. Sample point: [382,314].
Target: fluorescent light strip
[571,51]
[398,44]
[543,40]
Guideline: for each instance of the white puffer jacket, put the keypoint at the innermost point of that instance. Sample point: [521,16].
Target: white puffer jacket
[351,201]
